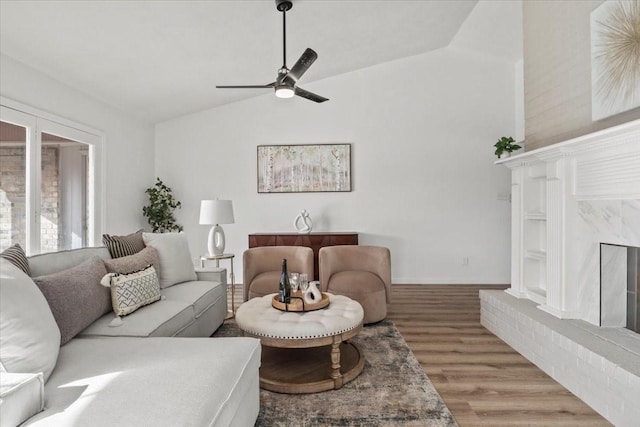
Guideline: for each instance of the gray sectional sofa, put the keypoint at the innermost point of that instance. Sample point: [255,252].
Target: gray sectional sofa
[157,367]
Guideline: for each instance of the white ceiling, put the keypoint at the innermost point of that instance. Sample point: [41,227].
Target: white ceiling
[162,59]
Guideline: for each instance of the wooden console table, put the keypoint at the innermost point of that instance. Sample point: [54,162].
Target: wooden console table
[314,240]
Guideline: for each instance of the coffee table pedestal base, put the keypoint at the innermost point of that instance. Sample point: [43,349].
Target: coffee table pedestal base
[309,370]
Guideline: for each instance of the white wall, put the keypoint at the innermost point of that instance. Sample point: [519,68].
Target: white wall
[424,182]
[557,73]
[129,141]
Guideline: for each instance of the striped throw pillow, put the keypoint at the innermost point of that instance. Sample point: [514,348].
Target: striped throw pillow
[120,246]
[17,257]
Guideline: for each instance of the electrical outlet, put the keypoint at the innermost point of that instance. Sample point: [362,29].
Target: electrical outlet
[465,260]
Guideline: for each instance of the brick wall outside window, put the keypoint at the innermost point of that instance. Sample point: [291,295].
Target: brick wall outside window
[13,202]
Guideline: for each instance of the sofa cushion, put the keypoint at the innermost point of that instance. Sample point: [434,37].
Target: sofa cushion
[29,336]
[165,318]
[131,291]
[201,295]
[54,262]
[176,265]
[21,397]
[135,262]
[15,254]
[150,382]
[76,297]
[121,246]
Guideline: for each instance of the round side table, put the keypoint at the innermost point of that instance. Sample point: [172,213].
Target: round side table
[217,259]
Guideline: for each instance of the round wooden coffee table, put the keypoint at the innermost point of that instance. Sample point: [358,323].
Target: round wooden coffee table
[305,352]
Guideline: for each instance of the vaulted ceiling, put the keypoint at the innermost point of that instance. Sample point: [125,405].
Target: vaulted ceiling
[162,59]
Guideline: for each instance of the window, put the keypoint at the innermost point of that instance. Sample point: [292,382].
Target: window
[50,186]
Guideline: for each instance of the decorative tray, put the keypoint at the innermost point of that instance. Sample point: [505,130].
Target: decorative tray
[297,304]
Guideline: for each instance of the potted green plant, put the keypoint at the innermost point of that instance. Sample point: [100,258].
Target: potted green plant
[159,212]
[505,144]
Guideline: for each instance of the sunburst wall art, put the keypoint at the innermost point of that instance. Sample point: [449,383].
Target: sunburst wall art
[615,58]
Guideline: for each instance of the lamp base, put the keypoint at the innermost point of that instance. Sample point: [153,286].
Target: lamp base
[216,240]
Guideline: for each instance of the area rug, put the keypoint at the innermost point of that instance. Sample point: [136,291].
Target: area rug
[392,390]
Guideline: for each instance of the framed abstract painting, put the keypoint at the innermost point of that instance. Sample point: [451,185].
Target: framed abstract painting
[304,168]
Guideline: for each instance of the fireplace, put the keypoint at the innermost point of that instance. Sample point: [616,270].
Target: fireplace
[574,261]
[620,286]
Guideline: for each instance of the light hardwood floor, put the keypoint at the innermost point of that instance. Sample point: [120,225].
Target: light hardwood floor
[483,381]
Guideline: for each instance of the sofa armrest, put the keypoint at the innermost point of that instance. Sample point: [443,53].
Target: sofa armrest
[212,274]
[21,397]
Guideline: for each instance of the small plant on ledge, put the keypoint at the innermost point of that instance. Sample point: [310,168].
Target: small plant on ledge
[159,212]
[505,144]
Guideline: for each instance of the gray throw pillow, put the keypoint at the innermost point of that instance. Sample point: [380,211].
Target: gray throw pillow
[76,297]
[132,263]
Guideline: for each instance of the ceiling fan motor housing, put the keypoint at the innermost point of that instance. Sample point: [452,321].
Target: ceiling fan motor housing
[283,5]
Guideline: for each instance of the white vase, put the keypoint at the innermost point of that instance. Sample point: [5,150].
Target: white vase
[312,295]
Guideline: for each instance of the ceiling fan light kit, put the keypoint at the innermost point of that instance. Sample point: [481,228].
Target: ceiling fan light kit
[285,85]
[285,91]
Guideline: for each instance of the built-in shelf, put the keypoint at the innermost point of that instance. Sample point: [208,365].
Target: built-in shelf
[536,254]
[536,216]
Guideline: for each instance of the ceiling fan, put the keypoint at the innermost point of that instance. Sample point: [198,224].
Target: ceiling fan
[285,85]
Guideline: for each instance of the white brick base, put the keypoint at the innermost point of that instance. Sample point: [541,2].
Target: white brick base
[589,361]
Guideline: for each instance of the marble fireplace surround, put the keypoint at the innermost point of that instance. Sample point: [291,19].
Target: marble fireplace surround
[568,199]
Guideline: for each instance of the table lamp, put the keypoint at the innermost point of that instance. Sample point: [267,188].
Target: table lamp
[216,212]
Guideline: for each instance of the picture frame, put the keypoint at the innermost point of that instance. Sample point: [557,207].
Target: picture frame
[304,168]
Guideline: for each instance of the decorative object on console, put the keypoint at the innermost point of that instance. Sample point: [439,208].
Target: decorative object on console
[505,145]
[159,212]
[285,85]
[307,223]
[615,58]
[131,291]
[16,256]
[304,168]
[121,246]
[216,212]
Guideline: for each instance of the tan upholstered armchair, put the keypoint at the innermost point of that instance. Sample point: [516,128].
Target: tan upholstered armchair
[262,267]
[362,273]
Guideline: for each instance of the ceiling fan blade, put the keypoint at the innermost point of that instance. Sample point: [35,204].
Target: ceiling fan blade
[269,86]
[309,95]
[299,68]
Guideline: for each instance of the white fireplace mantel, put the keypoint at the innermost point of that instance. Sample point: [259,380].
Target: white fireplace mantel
[568,198]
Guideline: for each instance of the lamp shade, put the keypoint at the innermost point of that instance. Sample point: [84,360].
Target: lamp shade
[216,212]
